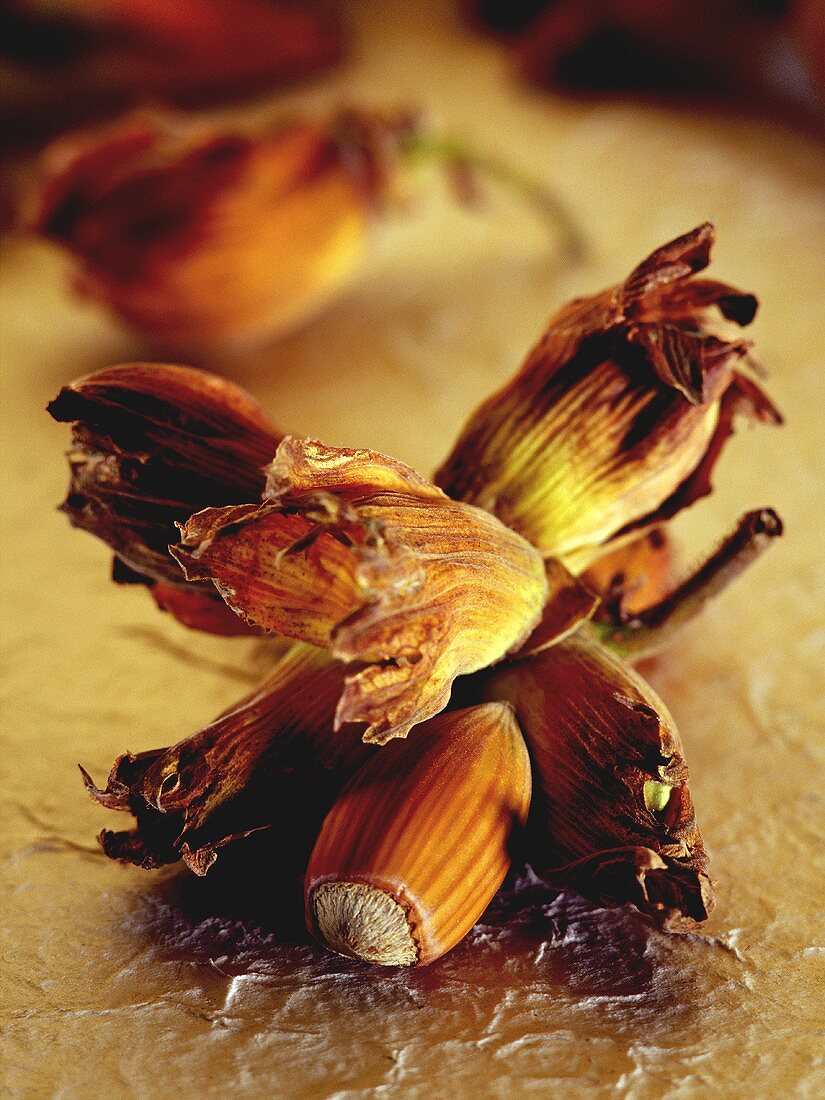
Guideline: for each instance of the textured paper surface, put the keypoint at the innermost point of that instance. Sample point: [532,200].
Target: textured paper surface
[118,982]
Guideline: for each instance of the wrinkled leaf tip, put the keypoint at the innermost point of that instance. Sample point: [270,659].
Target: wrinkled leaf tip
[697,245]
[198,860]
[378,731]
[378,735]
[62,407]
[758,406]
[89,783]
[278,481]
[677,259]
[741,308]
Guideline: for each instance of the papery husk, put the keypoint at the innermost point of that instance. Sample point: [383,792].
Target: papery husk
[644,604]
[612,814]
[633,576]
[614,410]
[419,840]
[355,552]
[200,237]
[571,602]
[273,761]
[151,444]
[742,398]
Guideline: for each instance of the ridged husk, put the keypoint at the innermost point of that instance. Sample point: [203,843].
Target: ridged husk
[614,410]
[356,552]
[273,761]
[612,813]
[151,444]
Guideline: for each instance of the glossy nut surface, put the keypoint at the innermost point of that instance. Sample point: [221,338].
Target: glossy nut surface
[417,843]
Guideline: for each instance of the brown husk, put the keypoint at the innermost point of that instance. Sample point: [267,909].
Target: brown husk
[600,741]
[274,761]
[356,552]
[151,444]
[616,418]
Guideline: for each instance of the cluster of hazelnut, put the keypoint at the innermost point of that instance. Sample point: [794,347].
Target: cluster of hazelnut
[459,674]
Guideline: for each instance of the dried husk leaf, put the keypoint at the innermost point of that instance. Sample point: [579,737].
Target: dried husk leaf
[613,411]
[612,813]
[199,237]
[273,761]
[644,604]
[199,609]
[356,552]
[151,444]
[417,843]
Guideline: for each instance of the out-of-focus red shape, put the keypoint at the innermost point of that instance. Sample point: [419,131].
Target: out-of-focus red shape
[808,23]
[71,58]
[757,54]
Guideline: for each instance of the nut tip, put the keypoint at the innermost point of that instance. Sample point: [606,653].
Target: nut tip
[363,922]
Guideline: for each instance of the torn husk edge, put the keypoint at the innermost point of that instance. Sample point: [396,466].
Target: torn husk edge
[612,814]
[676,896]
[273,761]
[151,444]
[355,552]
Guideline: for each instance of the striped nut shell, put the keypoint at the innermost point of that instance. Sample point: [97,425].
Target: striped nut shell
[417,843]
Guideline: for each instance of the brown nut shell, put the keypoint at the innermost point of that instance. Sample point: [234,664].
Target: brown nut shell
[417,843]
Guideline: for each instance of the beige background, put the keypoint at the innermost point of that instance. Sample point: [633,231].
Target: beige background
[118,982]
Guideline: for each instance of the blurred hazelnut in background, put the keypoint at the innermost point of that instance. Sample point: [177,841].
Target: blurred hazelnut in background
[200,237]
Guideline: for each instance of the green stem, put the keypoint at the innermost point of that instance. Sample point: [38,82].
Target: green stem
[422,147]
